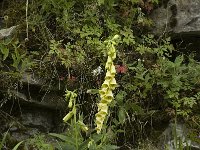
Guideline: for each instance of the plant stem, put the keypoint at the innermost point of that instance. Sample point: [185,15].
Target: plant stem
[75,126]
[175,135]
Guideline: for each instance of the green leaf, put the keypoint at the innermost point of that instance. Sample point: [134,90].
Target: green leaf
[16,146]
[97,137]
[93,91]
[179,60]
[122,115]
[120,97]
[135,1]
[135,108]
[64,138]
[16,59]
[84,145]
[3,140]
[65,146]
[110,147]
[5,52]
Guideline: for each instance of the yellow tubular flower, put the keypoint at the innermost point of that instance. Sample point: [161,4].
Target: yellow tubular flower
[103,91]
[113,84]
[112,69]
[109,76]
[71,97]
[68,116]
[105,84]
[108,85]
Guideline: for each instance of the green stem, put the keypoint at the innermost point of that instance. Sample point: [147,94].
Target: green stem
[175,135]
[75,125]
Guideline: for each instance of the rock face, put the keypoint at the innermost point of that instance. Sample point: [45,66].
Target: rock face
[181,19]
[7,32]
[168,140]
[178,17]
[32,109]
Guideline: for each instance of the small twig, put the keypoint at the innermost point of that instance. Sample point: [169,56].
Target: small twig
[26,20]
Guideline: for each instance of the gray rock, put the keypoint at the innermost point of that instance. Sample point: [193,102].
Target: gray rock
[38,119]
[50,100]
[168,141]
[30,78]
[55,101]
[7,32]
[179,17]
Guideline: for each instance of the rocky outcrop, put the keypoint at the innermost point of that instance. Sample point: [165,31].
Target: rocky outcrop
[38,92]
[182,141]
[177,17]
[7,32]
[181,20]
[35,107]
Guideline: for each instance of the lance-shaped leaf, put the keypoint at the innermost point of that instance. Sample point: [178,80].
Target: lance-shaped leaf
[82,126]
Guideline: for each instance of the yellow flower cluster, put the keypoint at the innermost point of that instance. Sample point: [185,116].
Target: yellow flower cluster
[71,97]
[107,87]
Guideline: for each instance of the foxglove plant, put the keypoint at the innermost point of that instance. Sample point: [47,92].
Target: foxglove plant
[108,85]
